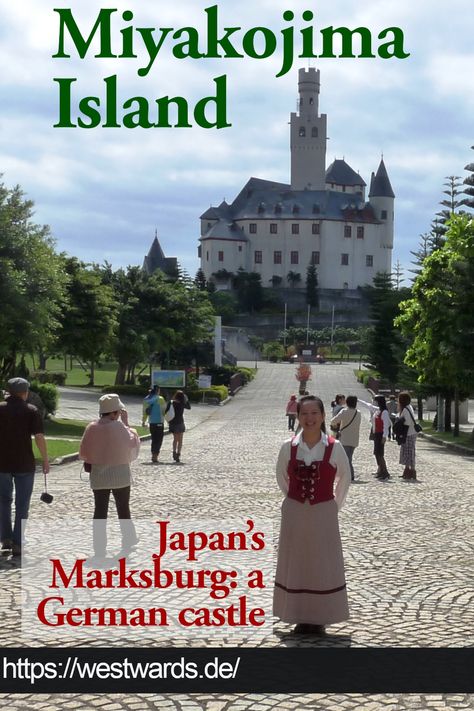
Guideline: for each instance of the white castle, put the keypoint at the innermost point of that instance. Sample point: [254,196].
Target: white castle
[321,218]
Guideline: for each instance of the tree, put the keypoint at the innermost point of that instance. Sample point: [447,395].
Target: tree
[293,278]
[249,290]
[89,318]
[276,280]
[312,296]
[31,282]
[440,314]
[385,347]
[273,351]
[200,280]
[421,253]
[469,189]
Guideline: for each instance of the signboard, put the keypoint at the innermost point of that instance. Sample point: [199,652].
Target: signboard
[169,378]
[306,352]
[204,381]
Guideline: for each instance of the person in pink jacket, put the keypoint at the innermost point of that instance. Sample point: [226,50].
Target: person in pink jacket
[109,445]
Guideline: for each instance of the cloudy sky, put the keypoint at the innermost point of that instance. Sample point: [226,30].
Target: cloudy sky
[104,191]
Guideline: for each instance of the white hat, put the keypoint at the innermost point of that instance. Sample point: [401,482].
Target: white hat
[110,403]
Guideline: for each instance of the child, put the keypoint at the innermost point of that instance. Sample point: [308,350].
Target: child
[291,412]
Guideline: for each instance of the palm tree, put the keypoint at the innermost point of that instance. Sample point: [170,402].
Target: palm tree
[293,278]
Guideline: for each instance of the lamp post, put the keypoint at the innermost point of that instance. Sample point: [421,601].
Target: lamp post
[307,326]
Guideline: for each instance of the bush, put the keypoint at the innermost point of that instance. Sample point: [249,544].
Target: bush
[217,392]
[49,395]
[49,376]
[248,374]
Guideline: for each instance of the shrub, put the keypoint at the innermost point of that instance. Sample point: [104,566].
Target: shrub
[217,392]
[49,376]
[49,395]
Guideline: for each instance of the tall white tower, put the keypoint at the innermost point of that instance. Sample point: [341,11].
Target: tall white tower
[308,134]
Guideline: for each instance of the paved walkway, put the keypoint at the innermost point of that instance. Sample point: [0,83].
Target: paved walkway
[408,546]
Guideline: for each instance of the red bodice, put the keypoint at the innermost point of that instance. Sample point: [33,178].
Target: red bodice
[313,482]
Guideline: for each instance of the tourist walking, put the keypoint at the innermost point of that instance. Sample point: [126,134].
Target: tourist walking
[291,409]
[109,445]
[179,403]
[347,425]
[19,421]
[153,408]
[337,404]
[380,424]
[408,447]
[314,475]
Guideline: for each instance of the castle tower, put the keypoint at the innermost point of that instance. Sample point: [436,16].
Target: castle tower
[308,134]
[382,199]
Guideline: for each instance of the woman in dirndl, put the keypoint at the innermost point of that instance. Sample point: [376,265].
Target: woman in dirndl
[407,448]
[313,473]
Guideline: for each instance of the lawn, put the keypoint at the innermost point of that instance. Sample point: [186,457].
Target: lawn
[77,376]
[464,439]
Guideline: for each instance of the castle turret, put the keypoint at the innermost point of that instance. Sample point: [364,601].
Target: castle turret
[382,199]
[308,133]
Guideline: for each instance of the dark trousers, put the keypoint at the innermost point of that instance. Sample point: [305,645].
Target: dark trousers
[157,432]
[101,510]
[291,422]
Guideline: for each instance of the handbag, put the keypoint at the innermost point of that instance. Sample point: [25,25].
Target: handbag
[340,429]
[400,430]
[169,412]
[418,428]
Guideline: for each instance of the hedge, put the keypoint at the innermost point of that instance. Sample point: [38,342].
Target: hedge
[215,392]
[48,376]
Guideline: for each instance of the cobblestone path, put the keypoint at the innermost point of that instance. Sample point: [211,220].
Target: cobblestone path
[408,545]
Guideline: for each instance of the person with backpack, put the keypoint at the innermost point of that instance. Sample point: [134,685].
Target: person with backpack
[179,403]
[380,425]
[408,446]
[153,409]
[346,423]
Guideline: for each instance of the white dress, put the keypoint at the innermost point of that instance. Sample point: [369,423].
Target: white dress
[310,584]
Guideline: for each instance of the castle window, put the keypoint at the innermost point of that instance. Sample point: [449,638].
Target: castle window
[278,208]
[295,228]
[296,209]
[311,101]
[383,215]
[360,233]
[316,228]
[314,132]
[207,256]
[314,257]
[369,260]
[344,259]
[240,247]
[253,228]
[302,132]
[258,257]
[347,231]
[220,256]
[261,207]
[343,188]
[316,209]
[276,257]
[199,251]
[273,228]
[209,225]
[294,257]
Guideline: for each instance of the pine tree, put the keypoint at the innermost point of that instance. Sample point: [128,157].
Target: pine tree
[312,296]
[469,182]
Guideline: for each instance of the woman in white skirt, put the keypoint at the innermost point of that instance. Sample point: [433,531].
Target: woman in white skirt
[407,448]
[313,473]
